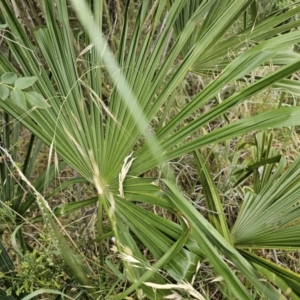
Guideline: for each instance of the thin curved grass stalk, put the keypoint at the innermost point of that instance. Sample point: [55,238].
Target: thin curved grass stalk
[45,291]
[52,224]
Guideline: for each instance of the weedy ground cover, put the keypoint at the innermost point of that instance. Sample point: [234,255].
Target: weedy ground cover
[159,130]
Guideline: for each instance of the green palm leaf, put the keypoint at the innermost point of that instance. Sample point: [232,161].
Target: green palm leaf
[95,121]
[273,213]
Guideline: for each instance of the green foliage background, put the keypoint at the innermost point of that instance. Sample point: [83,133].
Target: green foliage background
[101,103]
